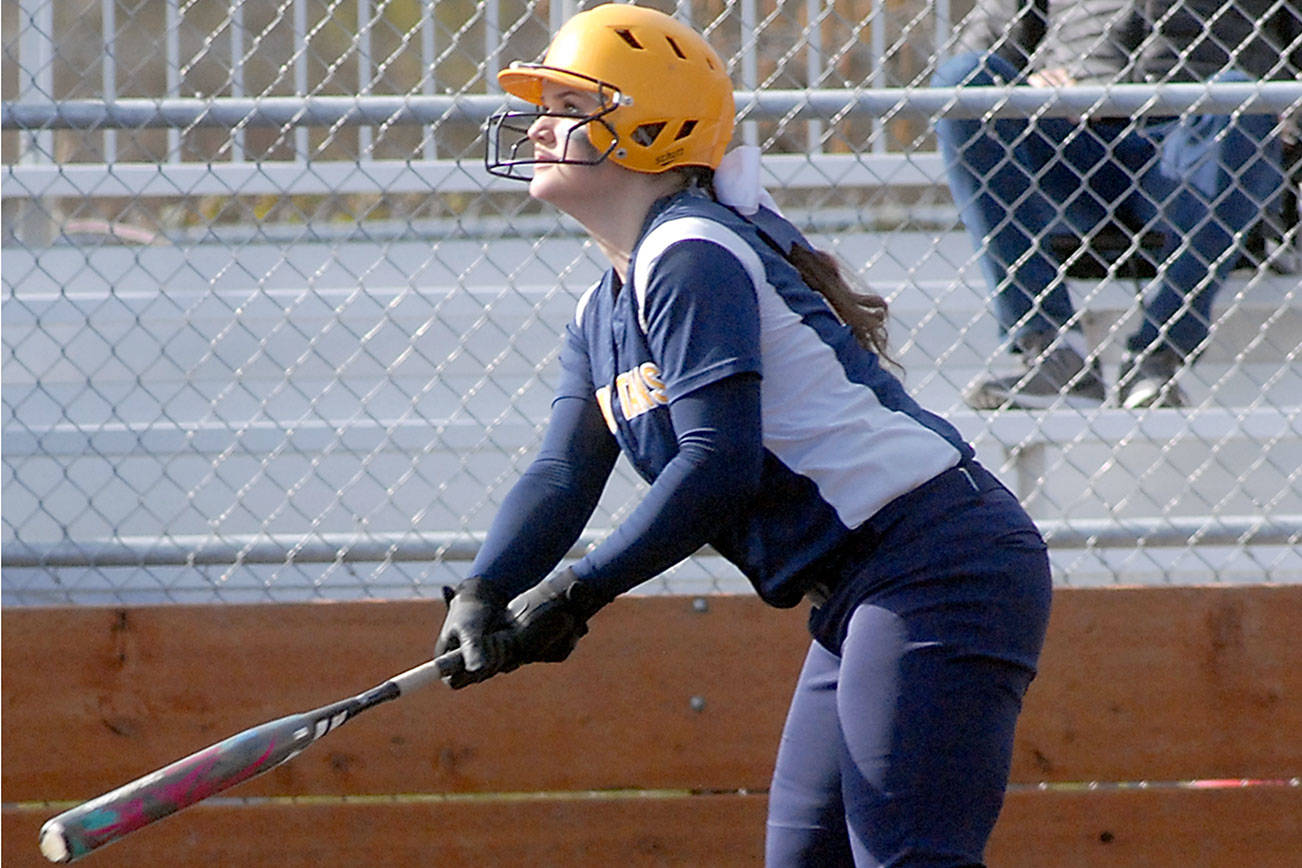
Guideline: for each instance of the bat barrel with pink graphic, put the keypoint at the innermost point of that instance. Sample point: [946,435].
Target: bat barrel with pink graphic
[245,755]
[100,821]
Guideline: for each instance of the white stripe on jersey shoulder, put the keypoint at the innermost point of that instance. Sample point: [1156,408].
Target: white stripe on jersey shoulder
[669,233]
[583,303]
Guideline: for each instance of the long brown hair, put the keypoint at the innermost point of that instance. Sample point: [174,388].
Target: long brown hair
[864,312]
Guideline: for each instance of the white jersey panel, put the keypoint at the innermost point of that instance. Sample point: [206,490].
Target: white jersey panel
[859,454]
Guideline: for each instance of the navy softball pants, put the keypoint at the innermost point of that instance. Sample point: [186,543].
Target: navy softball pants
[896,751]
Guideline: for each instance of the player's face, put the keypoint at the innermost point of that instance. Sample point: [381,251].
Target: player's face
[561,136]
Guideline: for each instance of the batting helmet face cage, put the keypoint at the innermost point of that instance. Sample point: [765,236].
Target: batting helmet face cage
[664,96]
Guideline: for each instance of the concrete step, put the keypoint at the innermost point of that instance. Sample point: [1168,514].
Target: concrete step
[391,389]
[1113,464]
[432,475]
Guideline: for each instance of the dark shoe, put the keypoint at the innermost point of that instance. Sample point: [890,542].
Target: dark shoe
[1147,379]
[1055,376]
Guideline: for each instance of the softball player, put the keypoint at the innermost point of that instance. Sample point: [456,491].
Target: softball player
[740,376]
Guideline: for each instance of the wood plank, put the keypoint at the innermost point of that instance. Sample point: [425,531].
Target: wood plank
[1150,828]
[1166,684]
[1136,684]
[1239,827]
[708,830]
[122,692]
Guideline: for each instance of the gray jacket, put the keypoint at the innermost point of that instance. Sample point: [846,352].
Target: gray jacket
[1193,40]
[1101,41]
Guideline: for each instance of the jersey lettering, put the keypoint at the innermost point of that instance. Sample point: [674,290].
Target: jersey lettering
[640,390]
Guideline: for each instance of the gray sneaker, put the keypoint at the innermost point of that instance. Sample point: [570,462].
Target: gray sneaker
[1055,376]
[1147,379]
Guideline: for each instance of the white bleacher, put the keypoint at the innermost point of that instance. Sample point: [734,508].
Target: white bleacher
[395,440]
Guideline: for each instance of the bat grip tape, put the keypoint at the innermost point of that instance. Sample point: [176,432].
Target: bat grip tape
[427,673]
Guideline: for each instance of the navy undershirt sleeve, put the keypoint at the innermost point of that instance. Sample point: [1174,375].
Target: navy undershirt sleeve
[714,474]
[547,508]
[706,343]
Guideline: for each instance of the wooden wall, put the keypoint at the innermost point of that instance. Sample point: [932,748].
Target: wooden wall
[651,746]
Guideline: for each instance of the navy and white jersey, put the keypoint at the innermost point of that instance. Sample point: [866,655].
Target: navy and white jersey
[707,298]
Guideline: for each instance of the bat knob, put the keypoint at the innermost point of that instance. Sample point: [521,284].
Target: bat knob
[54,844]
[450,663]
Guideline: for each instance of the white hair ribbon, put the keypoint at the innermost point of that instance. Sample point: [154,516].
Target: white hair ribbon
[737,183]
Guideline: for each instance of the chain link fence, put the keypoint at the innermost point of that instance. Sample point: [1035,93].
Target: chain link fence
[271,333]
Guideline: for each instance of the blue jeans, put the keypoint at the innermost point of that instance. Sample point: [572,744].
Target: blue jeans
[1200,179]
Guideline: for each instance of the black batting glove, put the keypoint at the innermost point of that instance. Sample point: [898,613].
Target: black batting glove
[476,623]
[549,619]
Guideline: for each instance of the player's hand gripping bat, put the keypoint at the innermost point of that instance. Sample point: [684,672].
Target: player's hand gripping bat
[245,755]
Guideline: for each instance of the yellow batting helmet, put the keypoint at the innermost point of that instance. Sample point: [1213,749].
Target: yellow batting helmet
[667,98]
